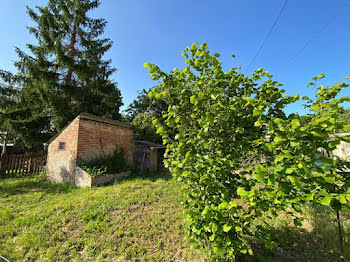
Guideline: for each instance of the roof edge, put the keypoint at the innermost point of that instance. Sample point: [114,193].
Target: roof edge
[95,119]
[104,120]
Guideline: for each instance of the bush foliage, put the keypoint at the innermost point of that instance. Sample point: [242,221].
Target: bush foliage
[105,165]
[239,155]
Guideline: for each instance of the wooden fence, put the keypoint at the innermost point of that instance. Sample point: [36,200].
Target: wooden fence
[21,163]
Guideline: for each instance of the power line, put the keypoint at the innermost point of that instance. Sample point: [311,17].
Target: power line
[306,44]
[267,36]
[317,33]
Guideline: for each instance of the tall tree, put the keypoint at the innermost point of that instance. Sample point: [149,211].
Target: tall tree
[20,118]
[65,73]
[141,112]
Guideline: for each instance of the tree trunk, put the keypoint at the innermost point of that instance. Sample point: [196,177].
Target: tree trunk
[72,51]
[340,235]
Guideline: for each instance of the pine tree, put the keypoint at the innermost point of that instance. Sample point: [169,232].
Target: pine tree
[20,119]
[65,73]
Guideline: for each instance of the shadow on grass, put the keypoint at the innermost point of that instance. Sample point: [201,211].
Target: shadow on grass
[145,175]
[316,241]
[22,184]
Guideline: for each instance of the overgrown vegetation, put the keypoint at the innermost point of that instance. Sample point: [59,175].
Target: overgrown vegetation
[136,219]
[105,165]
[223,119]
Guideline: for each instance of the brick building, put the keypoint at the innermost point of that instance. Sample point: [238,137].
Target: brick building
[87,137]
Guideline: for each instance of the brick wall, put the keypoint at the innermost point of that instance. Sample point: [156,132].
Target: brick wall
[97,139]
[86,139]
[61,162]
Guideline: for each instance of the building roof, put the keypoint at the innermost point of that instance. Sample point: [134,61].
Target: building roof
[151,144]
[104,120]
[94,119]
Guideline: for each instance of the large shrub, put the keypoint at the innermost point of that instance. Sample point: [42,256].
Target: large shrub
[238,154]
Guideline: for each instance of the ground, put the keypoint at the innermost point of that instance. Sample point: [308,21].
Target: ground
[137,219]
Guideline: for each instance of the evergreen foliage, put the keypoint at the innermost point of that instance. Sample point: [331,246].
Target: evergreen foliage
[20,118]
[64,73]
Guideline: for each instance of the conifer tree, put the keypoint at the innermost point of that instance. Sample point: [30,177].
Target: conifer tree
[20,119]
[65,73]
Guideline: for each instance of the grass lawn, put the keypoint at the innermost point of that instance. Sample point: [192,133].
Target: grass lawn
[137,219]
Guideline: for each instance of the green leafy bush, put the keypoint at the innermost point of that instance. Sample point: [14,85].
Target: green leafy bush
[105,165]
[222,120]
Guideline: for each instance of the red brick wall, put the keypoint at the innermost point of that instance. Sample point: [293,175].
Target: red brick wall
[96,139]
[61,163]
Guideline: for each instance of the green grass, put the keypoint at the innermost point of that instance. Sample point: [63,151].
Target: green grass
[137,219]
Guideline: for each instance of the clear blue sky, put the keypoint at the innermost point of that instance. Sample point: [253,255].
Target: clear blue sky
[157,31]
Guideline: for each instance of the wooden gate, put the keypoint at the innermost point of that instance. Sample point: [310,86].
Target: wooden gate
[21,163]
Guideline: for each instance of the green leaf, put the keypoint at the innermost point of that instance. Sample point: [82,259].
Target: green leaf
[224,205]
[242,192]
[326,201]
[214,227]
[259,176]
[309,197]
[256,112]
[226,228]
[205,211]
[296,207]
[298,222]
[342,200]
[238,228]
[294,180]
[320,76]
[278,121]
[233,204]
[186,173]
[194,100]
[310,84]
[295,124]
[218,251]
[212,237]
[257,123]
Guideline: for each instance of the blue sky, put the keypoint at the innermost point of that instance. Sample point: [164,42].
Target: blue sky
[157,31]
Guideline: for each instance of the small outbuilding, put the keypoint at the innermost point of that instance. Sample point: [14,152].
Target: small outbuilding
[149,156]
[87,137]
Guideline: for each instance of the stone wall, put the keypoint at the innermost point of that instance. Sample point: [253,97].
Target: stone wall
[84,179]
[98,139]
[61,158]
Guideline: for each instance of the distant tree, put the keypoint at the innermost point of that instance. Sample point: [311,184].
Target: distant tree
[64,74]
[141,112]
[345,116]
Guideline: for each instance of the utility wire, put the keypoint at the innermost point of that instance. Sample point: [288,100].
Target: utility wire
[267,36]
[330,21]
[306,44]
